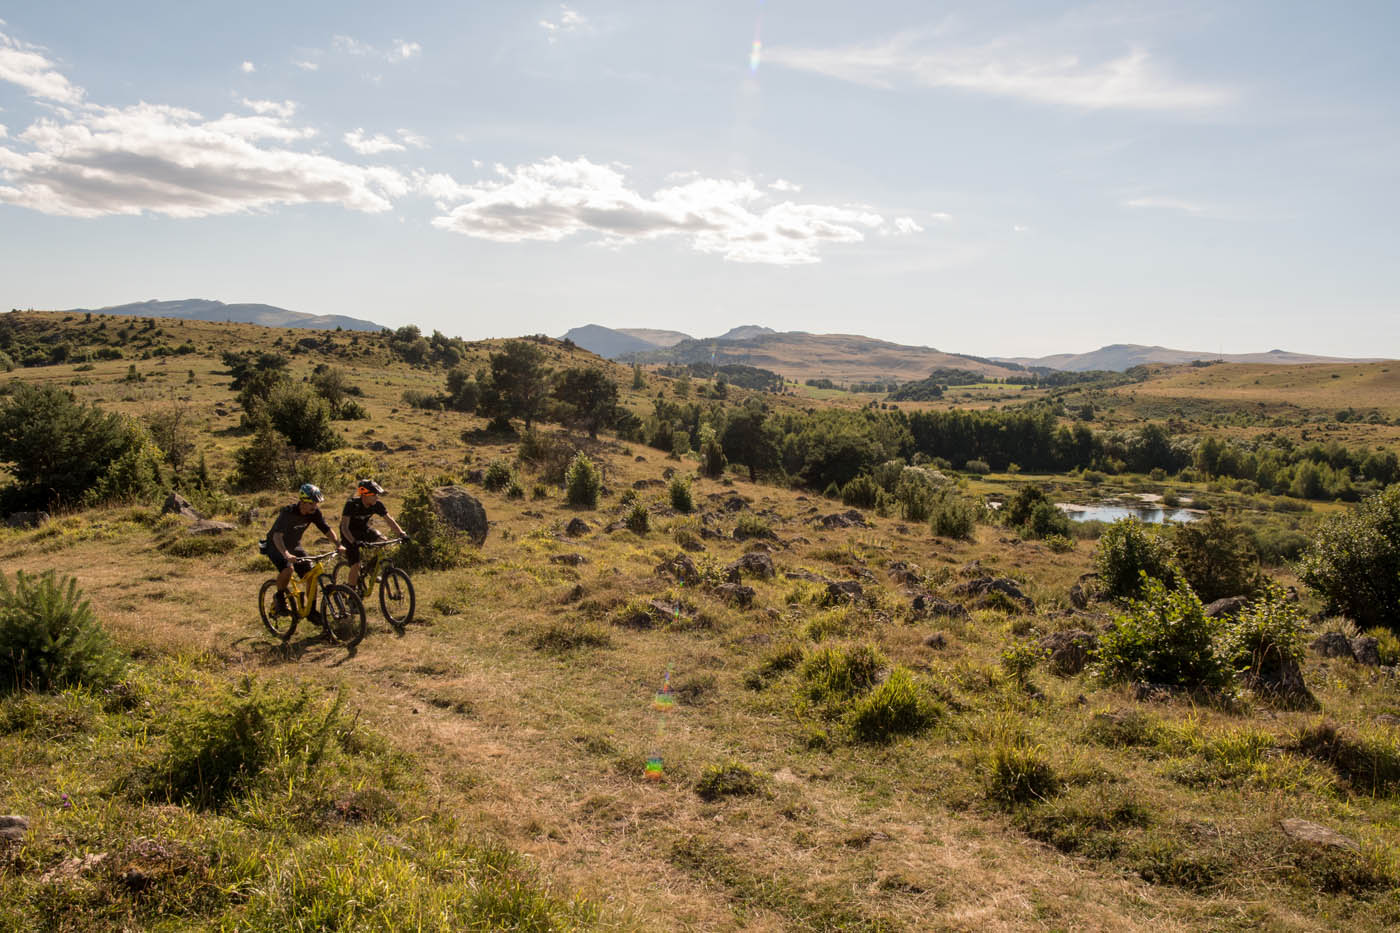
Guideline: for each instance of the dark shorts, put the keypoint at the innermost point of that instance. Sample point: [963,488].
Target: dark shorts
[280,562]
[352,548]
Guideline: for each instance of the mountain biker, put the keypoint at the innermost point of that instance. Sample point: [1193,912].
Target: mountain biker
[283,542]
[354,523]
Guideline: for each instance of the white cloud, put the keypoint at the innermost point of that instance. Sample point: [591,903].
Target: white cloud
[371,145]
[402,51]
[25,65]
[555,199]
[783,184]
[1194,208]
[166,160]
[3,132]
[276,108]
[399,50]
[411,138]
[307,66]
[248,68]
[941,217]
[906,225]
[1020,228]
[1008,68]
[568,20]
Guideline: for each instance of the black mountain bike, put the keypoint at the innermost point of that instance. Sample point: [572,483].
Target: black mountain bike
[396,597]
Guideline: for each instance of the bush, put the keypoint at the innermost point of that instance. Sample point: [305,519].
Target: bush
[681,500]
[637,519]
[433,544]
[421,398]
[547,453]
[1387,645]
[1354,561]
[1217,559]
[1267,639]
[225,745]
[1164,638]
[1017,773]
[836,673]
[980,467]
[49,637]
[730,779]
[751,526]
[582,482]
[1048,521]
[861,492]
[1129,552]
[953,517]
[302,416]
[265,462]
[498,476]
[1017,512]
[896,707]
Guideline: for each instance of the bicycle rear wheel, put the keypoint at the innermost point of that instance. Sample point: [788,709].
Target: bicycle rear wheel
[343,615]
[281,625]
[396,598]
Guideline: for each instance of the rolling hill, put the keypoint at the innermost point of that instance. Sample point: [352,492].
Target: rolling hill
[202,309]
[1118,357]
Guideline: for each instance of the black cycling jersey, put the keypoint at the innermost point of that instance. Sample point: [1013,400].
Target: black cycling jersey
[292,525]
[359,515]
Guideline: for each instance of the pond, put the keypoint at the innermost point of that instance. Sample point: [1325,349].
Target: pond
[1112,513]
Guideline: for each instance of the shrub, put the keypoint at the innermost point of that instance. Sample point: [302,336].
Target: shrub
[1017,512]
[681,500]
[953,517]
[134,476]
[896,707]
[1387,645]
[264,462]
[751,526]
[223,746]
[421,398]
[861,492]
[980,467]
[1164,638]
[1130,552]
[548,453]
[582,482]
[1267,639]
[433,544]
[302,415]
[515,490]
[1017,773]
[776,661]
[1020,659]
[637,519]
[1216,558]
[49,637]
[1354,561]
[498,476]
[1059,544]
[712,459]
[729,779]
[838,673]
[1048,521]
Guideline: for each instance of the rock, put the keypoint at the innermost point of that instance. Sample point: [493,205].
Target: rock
[805,575]
[1144,692]
[734,504]
[208,527]
[681,567]
[736,594]
[985,585]
[1332,645]
[844,591]
[407,447]
[851,518]
[74,868]
[937,641]
[26,519]
[1227,607]
[647,483]
[378,447]
[476,476]
[1317,834]
[668,472]
[692,544]
[221,411]
[574,594]
[577,528]
[639,459]
[249,516]
[571,560]
[462,511]
[1387,719]
[1069,651]
[925,605]
[1366,650]
[176,504]
[13,827]
[905,573]
[754,563]
[1087,589]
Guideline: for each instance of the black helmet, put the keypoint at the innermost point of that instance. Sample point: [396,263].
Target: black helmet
[310,492]
[367,486]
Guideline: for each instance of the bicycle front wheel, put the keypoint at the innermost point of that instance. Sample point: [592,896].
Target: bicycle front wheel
[281,625]
[396,599]
[344,615]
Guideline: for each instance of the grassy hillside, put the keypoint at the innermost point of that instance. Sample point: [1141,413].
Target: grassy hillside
[505,737]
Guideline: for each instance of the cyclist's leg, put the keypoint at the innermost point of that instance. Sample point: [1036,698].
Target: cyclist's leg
[284,576]
[352,559]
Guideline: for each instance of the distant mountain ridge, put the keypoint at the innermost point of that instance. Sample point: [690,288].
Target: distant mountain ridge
[616,342]
[203,309]
[1118,357]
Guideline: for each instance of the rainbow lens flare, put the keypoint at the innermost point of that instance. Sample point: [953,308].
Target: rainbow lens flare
[755,56]
[655,769]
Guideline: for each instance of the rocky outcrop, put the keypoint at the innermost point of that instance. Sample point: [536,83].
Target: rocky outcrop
[851,518]
[176,504]
[1227,607]
[681,567]
[1068,652]
[461,510]
[754,563]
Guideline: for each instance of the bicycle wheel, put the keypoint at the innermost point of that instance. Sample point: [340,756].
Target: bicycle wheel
[343,615]
[396,599]
[281,625]
[340,574]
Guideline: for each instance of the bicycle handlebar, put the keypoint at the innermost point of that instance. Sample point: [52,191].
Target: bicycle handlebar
[320,557]
[385,543]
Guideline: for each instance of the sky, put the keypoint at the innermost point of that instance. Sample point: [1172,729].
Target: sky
[994,177]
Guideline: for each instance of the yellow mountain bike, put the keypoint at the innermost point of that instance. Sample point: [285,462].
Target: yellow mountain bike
[338,611]
[396,597]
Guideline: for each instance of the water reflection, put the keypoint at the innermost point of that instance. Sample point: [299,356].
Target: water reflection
[1112,513]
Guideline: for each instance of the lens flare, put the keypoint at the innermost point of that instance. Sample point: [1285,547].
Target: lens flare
[755,55]
[663,703]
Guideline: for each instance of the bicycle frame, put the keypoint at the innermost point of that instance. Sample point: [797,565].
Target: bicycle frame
[303,590]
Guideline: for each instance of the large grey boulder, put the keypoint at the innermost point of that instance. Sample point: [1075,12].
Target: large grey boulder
[1332,645]
[13,827]
[1227,607]
[176,504]
[1317,834]
[754,563]
[208,527]
[462,511]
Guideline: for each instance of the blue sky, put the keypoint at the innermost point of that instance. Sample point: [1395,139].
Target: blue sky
[998,178]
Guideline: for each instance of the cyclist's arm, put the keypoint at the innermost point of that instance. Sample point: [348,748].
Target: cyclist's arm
[280,545]
[327,532]
[395,525]
[345,530]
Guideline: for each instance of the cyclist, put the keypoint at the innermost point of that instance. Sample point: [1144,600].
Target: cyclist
[354,523]
[283,542]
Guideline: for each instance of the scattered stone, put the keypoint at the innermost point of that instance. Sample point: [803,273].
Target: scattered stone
[1151,693]
[905,573]
[221,411]
[981,586]
[736,594]
[734,504]
[462,511]
[1087,589]
[805,575]
[1386,719]
[647,483]
[692,544]
[973,569]
[378,447]
[476,476]
[26,519]
[1366,650]
[209,527]
[176,504]
[406,447]
[1332,645]
[640,459]
[755,563]
[13,827]
[926,605]
[577,528]
[73,868]
[1317,834]
[574,595]
[681,567]
[249,516]
[851,518]
[844,591]
[668,472]
[937,641]
[571,560]
[1227,607]
[1069,651]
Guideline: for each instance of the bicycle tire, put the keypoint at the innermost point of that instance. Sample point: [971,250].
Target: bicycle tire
[282,626]
[396,598]
[343,615]
[340,573]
